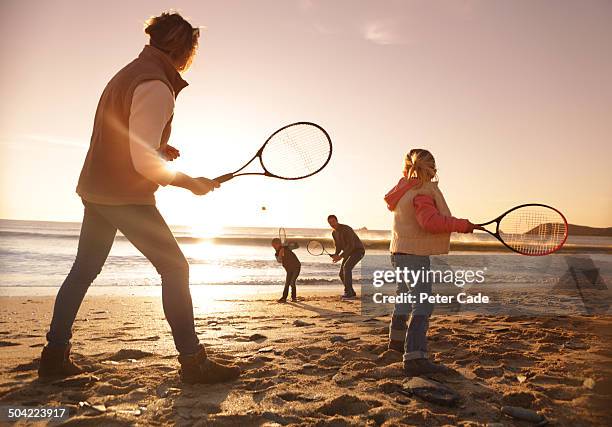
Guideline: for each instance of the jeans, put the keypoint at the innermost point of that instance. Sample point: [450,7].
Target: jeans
[346,270]
[416,315]
[292,276]
[145,228]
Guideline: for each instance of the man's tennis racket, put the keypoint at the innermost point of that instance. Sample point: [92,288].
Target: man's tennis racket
[531,229]
[282,235]
[296,151]
[316,248]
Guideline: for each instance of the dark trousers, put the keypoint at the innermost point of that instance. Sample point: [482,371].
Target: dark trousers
[145,228]
[292,276]
[346,270]
[410,322]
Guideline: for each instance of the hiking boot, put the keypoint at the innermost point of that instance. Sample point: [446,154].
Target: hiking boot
[416,367]
[396,345]
[56,362]
[198,368]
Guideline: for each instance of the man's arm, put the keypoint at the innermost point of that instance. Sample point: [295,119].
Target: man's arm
[337,242]
[349,238]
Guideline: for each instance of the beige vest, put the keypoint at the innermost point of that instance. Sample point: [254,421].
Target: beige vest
[407,236]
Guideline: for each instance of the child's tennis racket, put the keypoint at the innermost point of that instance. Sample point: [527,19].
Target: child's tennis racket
[295,151]
[531,229]
[316,248]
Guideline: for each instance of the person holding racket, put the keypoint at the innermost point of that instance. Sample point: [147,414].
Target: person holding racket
[124,167]
[349,249]
[291,264]
[422,224]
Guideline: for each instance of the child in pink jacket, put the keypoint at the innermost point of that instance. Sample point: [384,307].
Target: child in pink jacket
[422,224]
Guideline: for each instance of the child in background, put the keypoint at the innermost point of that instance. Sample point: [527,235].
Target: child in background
[292,266]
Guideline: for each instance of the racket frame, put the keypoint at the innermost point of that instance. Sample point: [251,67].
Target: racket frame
[266,172]
[322,246]
[282,235]
[498,221]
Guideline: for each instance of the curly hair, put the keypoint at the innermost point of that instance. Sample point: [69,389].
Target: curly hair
[172,34]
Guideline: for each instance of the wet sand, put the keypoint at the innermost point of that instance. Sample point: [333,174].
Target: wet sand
[316,362]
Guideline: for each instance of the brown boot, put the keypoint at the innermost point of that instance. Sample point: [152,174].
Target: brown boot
[396,345]
[56,362]
[198,368]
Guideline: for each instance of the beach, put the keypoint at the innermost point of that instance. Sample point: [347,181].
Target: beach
[540,346]
[316,362]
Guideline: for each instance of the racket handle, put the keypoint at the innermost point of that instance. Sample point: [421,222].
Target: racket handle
[221,179]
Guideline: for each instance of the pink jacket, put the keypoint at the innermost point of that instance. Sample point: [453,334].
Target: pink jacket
[427,214]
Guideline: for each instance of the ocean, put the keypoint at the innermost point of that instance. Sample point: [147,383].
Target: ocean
[38,255]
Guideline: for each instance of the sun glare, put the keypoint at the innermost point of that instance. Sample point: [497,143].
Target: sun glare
[206,230]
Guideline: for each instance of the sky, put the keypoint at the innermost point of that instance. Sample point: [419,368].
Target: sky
[514,99]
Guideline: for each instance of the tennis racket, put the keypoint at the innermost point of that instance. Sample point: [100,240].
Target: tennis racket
[316,248]
[295,151]
[282,235]
[530,229]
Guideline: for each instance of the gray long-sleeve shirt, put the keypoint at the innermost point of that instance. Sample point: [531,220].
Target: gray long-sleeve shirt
[346,240]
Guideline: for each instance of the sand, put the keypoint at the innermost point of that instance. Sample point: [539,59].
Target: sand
[316,362]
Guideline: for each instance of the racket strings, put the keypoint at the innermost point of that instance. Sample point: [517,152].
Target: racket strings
[297,151]
[533,230]
[315,248]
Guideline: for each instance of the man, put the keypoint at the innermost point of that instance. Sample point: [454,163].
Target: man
[122,171]
[349,249]
[292,266]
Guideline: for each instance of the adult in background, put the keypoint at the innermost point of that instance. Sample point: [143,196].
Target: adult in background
[349,249]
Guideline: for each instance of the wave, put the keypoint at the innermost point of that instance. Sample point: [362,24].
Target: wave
[302,241]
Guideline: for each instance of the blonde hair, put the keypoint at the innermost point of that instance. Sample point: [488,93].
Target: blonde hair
[172,34]
[420,164]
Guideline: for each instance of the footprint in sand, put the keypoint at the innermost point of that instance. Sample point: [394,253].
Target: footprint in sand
[113,390]
[348,405]
[128,353]
[523,399]
[296,397]
[266,327]
[488,372]
[258,337]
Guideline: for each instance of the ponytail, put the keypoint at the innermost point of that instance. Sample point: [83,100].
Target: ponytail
[420,164]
